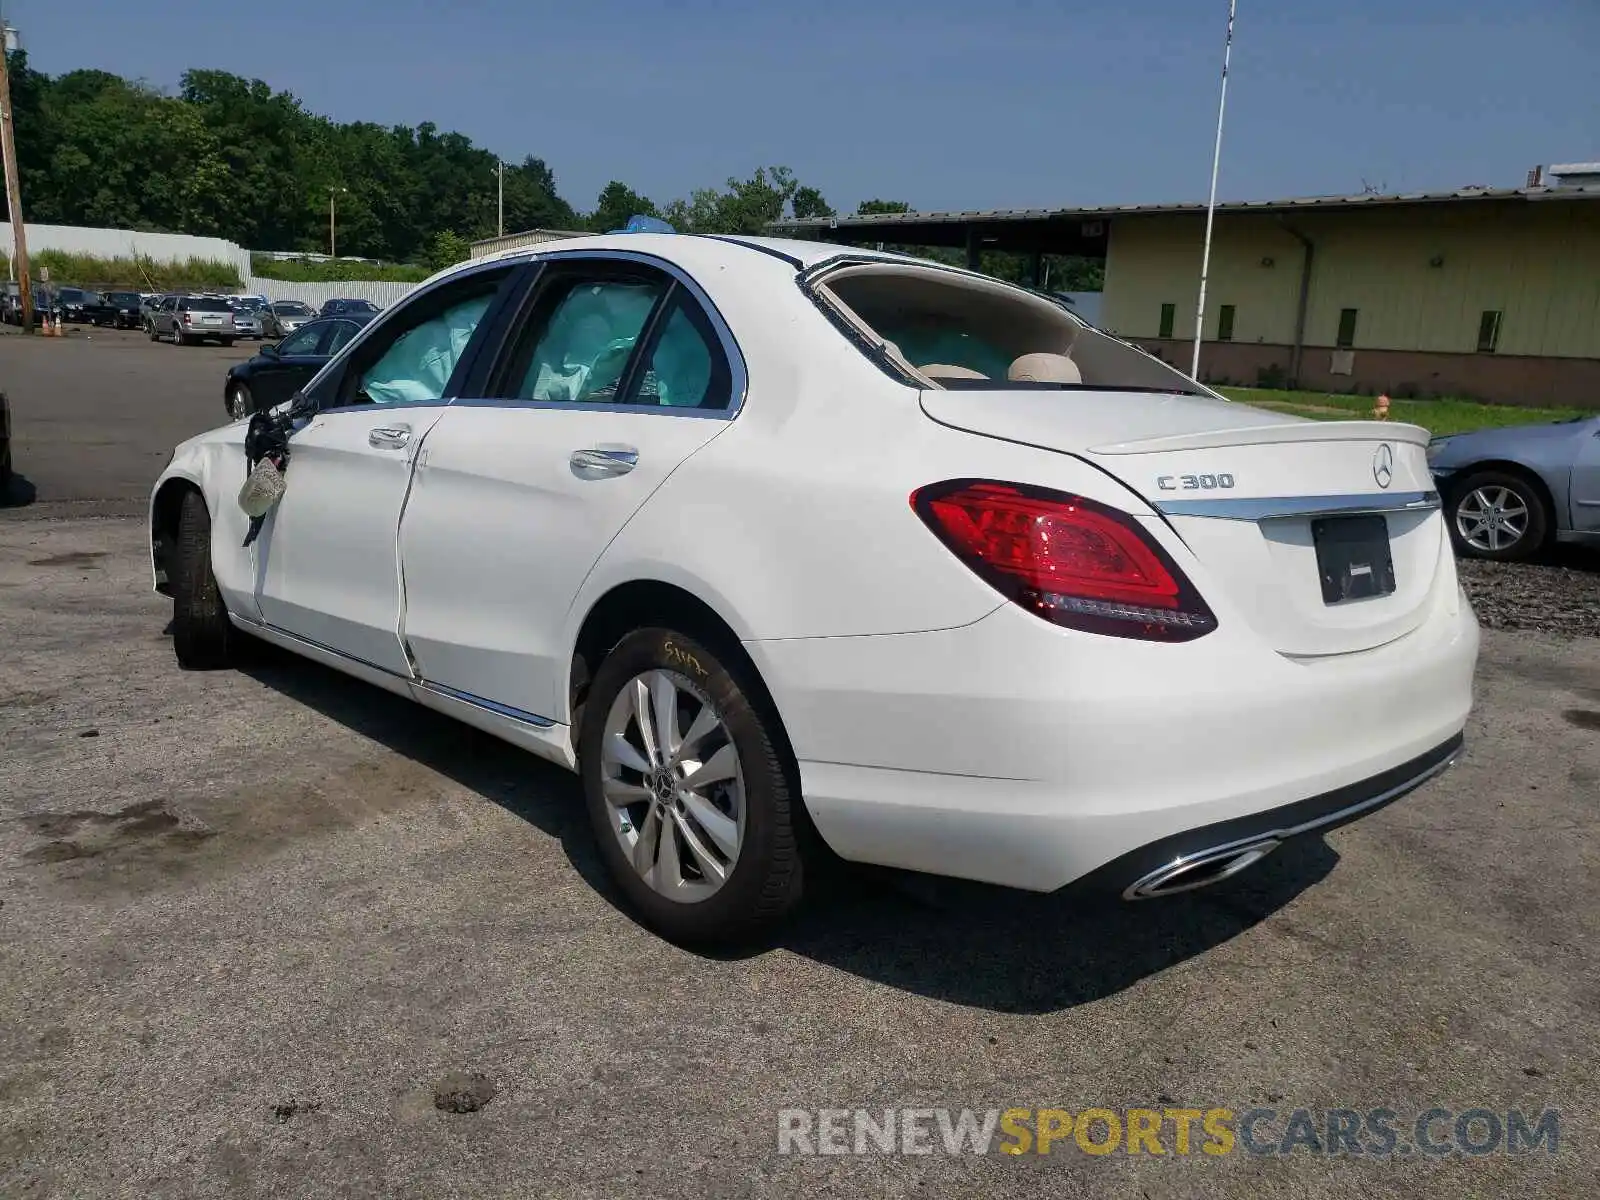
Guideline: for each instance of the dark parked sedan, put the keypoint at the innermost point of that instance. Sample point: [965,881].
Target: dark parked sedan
[277,372]
[349,308]
[124,309]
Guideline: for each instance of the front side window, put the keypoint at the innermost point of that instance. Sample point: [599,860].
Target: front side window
[411,358]
[579,351]
[302,341]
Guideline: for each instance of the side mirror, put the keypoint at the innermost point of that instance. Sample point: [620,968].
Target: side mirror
[268,350]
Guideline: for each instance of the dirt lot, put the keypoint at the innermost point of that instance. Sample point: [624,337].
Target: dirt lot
[257,927]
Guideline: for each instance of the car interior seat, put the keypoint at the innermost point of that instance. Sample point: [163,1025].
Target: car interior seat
[1044,368]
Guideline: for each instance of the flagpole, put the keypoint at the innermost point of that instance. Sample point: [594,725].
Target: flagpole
[1211,206]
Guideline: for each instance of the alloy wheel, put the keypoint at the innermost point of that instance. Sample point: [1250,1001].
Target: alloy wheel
[676,800]
[1492,518]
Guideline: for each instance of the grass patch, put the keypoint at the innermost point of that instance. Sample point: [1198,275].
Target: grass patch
[336,272]
[138,274]
[1437,416]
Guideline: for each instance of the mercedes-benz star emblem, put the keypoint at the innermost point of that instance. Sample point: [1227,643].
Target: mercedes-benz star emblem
[1383,465]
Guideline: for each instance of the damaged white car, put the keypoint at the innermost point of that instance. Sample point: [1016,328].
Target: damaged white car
[794,550]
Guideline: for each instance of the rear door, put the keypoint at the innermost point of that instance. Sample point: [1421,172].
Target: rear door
[616,371]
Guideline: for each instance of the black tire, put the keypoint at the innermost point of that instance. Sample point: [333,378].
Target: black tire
[150,329]
[177,336]
[202,636]
[239,402]
[767,879]
[1535,530]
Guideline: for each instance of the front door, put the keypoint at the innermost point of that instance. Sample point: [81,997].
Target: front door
[616,376]
[1586,482]
[326,563]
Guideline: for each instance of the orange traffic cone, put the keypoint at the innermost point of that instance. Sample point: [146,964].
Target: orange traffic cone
[1381,410]
[47,329]
[58,326]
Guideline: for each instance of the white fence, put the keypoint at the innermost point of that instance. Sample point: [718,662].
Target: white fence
[383,294]
[128,243]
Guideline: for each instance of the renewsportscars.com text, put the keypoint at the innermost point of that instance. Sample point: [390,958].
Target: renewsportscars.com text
[1379,1132]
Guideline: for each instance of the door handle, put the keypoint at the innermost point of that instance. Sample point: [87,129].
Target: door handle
[605,460]
[392,437]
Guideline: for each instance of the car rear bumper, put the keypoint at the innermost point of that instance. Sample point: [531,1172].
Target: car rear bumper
[1015,753]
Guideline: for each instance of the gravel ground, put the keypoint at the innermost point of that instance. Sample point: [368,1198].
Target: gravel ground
[1561,595]
[273,932]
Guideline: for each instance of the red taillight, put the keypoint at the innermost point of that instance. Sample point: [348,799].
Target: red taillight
[187,319]
[1070,560]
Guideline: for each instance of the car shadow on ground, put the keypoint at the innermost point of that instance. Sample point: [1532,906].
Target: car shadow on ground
[968,944]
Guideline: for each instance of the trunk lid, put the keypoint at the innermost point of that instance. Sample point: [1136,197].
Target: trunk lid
[1269,504]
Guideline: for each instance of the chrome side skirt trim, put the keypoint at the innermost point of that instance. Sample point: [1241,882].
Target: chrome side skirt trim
[500,710]
[1269,507]
[439,689]
[1267,840]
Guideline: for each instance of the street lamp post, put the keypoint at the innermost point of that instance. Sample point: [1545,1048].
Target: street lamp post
[333,191]
[502,206]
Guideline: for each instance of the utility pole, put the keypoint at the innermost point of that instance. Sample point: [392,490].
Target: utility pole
[502,220]
[1211,207]
[333,251]
[8,149]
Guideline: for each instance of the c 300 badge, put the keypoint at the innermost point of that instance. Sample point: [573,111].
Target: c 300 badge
[1194,483]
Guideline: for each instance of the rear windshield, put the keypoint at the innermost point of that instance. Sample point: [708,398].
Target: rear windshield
[206,304]
[123,297]
[959,330]
[75,295]
[291,308]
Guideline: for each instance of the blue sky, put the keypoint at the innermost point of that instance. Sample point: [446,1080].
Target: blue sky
[943,103]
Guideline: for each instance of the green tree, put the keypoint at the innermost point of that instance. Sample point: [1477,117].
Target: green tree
[617,203]
[874,208]
[447,249]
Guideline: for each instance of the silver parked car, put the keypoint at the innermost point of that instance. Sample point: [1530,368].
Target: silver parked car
[283,317]
[187,319]
[1510,492]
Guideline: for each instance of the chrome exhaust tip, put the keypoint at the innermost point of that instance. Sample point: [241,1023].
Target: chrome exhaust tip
[1201,869]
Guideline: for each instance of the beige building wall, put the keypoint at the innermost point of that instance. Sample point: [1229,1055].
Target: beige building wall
[1419,278]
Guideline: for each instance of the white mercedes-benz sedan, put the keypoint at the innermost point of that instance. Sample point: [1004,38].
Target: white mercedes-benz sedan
[793,550]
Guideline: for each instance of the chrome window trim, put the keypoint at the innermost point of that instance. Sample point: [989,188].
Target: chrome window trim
[1270,507]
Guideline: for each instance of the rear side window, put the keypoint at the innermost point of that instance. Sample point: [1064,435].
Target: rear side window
[682,367]
[579,354]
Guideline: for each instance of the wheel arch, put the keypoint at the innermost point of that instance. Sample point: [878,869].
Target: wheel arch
[644,602]
[165,506]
